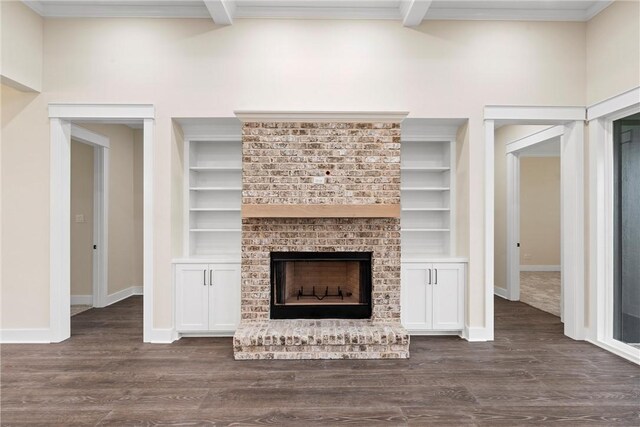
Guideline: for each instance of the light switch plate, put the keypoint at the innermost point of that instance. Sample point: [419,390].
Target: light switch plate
[318,179]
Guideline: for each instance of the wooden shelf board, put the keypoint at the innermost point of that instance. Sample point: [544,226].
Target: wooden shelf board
[211,230]
[214,209]
[320,211]
[424,188]
[425,209]
[425,229]
[215,188]
[215,168]
[425,168]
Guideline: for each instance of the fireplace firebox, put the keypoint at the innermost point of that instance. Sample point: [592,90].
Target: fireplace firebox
[320,285]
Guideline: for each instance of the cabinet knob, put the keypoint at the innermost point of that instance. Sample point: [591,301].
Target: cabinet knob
[429,277]
[210,277]
[204,277]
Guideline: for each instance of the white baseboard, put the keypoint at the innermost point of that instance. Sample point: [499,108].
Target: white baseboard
[81,299]
[25,336]
[163,336]
[501,292]
[540,268]
[631,355]
[477,334]
[125,293]
[414,332]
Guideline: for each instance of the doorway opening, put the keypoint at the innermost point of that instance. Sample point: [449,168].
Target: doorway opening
[61,118]
[106,214]
[533,209]
[501,250]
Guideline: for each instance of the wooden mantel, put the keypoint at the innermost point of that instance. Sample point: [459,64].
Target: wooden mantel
[321,211]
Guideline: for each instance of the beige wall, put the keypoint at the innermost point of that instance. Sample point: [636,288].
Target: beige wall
[21,40]
[539,211]
[192,68]
[613,54]
[81,232]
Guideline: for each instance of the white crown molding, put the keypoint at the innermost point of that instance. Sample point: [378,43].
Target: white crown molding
[596,8]
[117,10]
[320,116]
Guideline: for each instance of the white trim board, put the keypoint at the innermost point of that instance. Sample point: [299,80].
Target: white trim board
[614,104]
[320,116]
[540,267]
[521,115]
[534,138]
[501,292]
[601,214]
[123,294]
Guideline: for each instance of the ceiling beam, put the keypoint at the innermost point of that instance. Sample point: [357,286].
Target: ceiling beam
[221,11]
[414,11]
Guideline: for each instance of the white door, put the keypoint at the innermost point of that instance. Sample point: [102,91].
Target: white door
[192,297]
[416,299]
[448,296]
[224,297]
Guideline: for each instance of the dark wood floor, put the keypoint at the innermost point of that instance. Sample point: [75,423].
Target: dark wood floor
[105,375]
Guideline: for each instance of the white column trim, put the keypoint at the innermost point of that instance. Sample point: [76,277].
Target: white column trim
[148,223]
[572,226]
[60,230]
[513,227]
[489,227]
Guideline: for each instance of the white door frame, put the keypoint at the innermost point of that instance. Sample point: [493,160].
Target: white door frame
[514,149]
[60,116]
[572,217]
[100,144]
[601,117]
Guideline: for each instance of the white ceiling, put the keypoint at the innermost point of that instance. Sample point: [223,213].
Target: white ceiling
[411,12]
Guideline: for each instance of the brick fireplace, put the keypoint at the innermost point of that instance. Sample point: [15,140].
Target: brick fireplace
[315,185]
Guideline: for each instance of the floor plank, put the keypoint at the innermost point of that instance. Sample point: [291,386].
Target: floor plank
[105,375]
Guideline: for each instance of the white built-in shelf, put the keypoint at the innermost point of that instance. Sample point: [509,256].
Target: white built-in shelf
[215,188]
[215,168]
[425,168]
[426,209]
[426,229]
[214,209]
[215,230]
[427,184]
[424,188]
[212,196]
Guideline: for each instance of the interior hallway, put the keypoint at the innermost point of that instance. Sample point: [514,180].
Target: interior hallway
[105,375]
[541,289]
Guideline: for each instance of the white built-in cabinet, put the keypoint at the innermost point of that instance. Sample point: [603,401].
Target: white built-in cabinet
[207,297]
[433,296]
[433,276]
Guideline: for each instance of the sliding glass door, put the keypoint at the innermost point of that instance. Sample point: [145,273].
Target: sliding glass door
[626,292]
